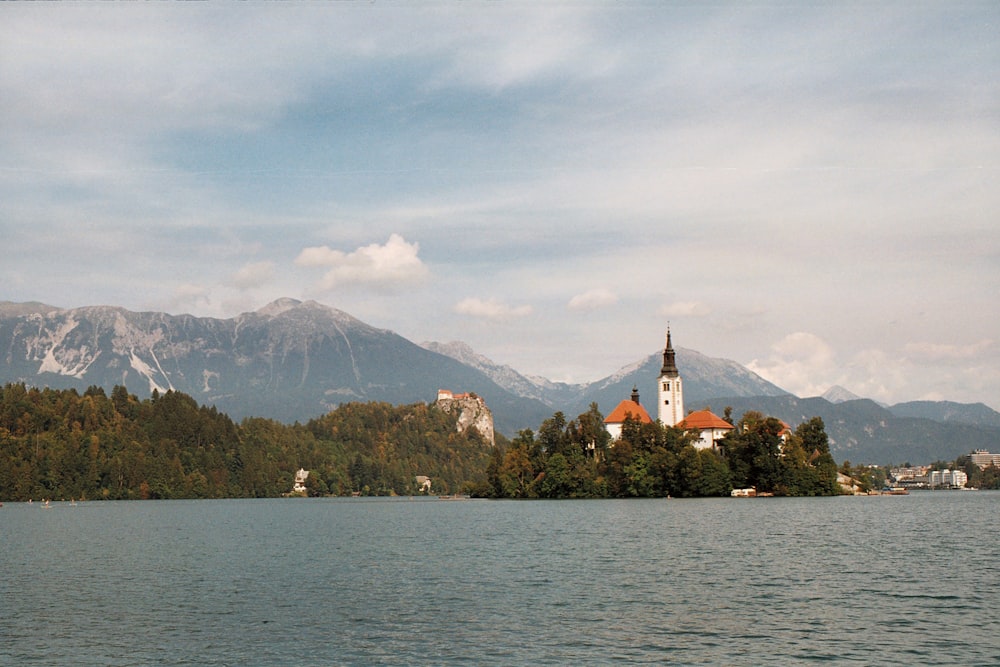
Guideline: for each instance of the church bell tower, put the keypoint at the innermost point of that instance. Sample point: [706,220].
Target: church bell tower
[669,389]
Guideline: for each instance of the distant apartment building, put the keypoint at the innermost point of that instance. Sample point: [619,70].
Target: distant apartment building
[984,459]
[914,477]
[947,479]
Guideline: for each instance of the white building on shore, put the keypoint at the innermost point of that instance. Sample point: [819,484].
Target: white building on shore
[947,479]
[984,459]
[300,481]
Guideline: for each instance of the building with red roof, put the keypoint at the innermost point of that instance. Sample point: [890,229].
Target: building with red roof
[628,408]
[710,428]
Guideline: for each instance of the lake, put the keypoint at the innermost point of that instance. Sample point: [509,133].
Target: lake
[888,580]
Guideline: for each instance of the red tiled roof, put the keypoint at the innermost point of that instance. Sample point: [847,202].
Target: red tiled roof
[626,408]
[704,419]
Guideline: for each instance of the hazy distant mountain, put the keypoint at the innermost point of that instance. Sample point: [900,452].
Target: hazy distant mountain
[550,393]
[11,309]
[290,360]
[862,431]
[837,394]
[704,377]
[976,414]
[293,361]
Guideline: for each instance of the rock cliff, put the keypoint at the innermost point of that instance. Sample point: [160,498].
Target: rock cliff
[472,411]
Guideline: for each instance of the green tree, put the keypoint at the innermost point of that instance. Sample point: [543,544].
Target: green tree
[517,472]
[753,451]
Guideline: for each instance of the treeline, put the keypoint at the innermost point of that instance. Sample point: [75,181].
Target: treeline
[576,459]
[60,444]
[979,478]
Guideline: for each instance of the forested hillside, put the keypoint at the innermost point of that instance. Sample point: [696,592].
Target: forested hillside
[576,459]
[61,444]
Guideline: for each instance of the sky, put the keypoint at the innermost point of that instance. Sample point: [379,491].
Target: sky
[809,189]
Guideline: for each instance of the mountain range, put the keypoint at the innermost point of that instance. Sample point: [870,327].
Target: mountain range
[294,360]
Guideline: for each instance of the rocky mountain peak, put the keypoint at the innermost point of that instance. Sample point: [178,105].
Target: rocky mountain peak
[278,306]
[837,394]
[11,309]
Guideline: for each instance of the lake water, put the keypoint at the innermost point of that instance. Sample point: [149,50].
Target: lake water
[879,580]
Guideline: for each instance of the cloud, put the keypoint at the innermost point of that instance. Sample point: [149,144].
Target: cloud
[491,309]
[686,309]
[253,275]
[189,296]
[801,363]
[386,266]
[593,300]
[940,352]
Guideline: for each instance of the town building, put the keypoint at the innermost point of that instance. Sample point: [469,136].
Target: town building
[300,481]
[786,431]
[984,459]
[913,477]
[710,428]
[628,408]
[947,479]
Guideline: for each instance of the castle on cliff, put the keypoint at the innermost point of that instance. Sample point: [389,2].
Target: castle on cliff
[472,412]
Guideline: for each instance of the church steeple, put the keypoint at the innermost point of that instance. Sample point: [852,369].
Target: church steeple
[669,390]
[669,359]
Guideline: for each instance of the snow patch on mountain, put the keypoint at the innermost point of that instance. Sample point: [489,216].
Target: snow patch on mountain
[837,394]
[145,370]
[624,372]
[50,363]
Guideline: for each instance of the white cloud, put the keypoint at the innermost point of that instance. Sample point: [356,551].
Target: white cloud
[801,363]
[253,275]
[593,300]
[942,352]
[686,309]
[144,142]
[491,309]
[391,265]
[189,296]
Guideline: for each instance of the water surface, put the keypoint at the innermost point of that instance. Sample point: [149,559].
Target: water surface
[880,580]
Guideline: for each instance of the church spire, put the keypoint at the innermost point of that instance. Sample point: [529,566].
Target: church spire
[670,393]
[669,360]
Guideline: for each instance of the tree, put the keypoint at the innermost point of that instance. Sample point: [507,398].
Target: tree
[517,473]
[753,450]
[588,433]
[557,481]
[715,476]
[552,435]
[818,472]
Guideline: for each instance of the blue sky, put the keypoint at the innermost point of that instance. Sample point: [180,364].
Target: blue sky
[809,190]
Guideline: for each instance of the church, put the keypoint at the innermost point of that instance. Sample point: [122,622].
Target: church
[669,408]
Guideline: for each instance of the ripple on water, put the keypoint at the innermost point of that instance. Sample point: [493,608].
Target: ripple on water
[783,581]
